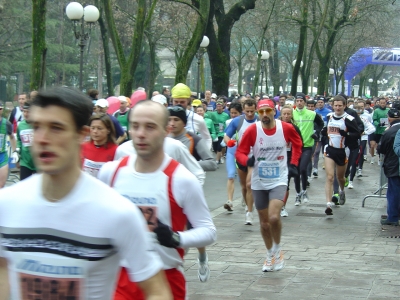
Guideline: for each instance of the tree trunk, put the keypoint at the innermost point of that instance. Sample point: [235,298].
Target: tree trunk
[38,44]
[152,67]
[274,67]
[240,76]
[184,62]
[106,49]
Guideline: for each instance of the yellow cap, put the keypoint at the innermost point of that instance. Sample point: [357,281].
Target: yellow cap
[180,91]
[196,102]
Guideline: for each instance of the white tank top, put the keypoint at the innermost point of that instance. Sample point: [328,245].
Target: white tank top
[335,139]
[270,169]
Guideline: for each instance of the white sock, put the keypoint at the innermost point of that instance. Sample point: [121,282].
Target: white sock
[275,247]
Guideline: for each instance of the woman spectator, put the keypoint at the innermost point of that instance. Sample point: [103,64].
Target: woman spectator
[102,145]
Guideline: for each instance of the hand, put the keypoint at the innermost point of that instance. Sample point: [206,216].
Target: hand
[293,171]
[223,143]
[231,143]
[315,136]
[166,236]
[15,157]
[215,140]
[343,132]
[251,161]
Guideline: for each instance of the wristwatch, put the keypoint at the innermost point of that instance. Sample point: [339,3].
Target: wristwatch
[176,239]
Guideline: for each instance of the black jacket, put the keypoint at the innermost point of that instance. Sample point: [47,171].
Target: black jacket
[385,147]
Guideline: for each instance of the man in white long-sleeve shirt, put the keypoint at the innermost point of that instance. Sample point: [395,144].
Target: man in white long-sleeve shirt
[195,123]
[167,193]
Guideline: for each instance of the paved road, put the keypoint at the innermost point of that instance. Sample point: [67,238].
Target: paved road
[345,256]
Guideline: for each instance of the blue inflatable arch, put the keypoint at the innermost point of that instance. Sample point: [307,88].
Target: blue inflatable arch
[369,56]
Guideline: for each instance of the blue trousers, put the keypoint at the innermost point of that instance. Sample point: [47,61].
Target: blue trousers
[393,199]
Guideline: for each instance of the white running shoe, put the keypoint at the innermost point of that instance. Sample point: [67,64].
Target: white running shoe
[350,186]
[315,173]
[328,209]
[249,218]
[279,262]
[297,202]
[284,212]
[222,160]
[228,205]
[269,263]
[359,173]
[372,160]
[305,197]
[204,271]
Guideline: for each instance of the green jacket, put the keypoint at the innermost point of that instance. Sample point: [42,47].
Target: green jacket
[220,122]
[380,116]
[211,128]
[24,142]
[305,121]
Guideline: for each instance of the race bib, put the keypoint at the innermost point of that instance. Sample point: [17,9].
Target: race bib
[221,127]
[50,278]
[124,128]
[333,130]
[26,136]
[268,170]
[148,206]
[385,121]
[92,167]
[2,140]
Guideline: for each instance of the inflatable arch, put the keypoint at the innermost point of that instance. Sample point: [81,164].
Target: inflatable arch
[369,56]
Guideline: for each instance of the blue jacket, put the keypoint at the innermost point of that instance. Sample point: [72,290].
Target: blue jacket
[323,112]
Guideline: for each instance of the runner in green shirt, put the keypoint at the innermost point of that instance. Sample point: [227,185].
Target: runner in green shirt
[219,117]
[209,123]
[24,142]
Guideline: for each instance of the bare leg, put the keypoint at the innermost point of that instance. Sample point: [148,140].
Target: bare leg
[3,175]
[330,170]
[230,187]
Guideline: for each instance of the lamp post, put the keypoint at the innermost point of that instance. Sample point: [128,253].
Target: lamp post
[76,13]
[315,82]
[370,85]
[203,45]
[264,57]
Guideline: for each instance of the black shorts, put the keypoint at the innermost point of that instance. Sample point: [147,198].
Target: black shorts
[375,137]
[241,167]
[338,155]
[217,145]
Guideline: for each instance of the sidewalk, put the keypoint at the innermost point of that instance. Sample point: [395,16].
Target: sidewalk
[345,256]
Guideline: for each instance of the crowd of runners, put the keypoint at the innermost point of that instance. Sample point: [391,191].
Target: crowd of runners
[118,198]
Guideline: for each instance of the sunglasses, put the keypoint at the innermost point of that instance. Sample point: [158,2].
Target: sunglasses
[176,108]
[265,110]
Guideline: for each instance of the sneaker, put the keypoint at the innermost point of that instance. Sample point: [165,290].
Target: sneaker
[249,218]
[386,222]
[269,263]
[308,183]
[379,162]
[335,199]
[350,186]
[297,202]
[284,212]
[365,158]
[228,205]
[222,160]
[346,181]
[359,173]
[342,198]
[279,262]
[305,197]
[315,173]
[328,209]
[372,160]
[204,271]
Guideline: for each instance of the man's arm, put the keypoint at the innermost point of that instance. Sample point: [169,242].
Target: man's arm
[396,145]
[203,130]
[318,123]
[207,162]
[4,285]
[156,287]
[247,141]
[13,141]
[190,163]
[293,136]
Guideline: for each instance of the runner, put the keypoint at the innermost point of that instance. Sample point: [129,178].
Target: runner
[219,117]
[71,230]
[122,115]
[310,125]
[16,114]
[101,108]
[235,131]
[287,116]
[181,96]
[6,129]
[168,195]
[340,129]
[101,147]
[235,110]
[268,165]
[24,143]
[381,122]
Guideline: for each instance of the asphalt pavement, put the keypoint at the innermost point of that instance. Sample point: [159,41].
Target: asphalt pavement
[345,256]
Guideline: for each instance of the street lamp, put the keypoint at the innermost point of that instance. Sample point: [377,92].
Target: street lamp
[294,63]
[90,14]
[203,45]
[370,85]
[264,57]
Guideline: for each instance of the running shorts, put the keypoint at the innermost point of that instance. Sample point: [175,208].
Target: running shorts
[128,290]
[3,159]
[241,167]
[217,145]
[262,197]
[338,155]
[375,137]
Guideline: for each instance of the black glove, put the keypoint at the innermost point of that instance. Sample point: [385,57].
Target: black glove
[342,132]
[315,136]
[251,161]
[166,236]
[293,171]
